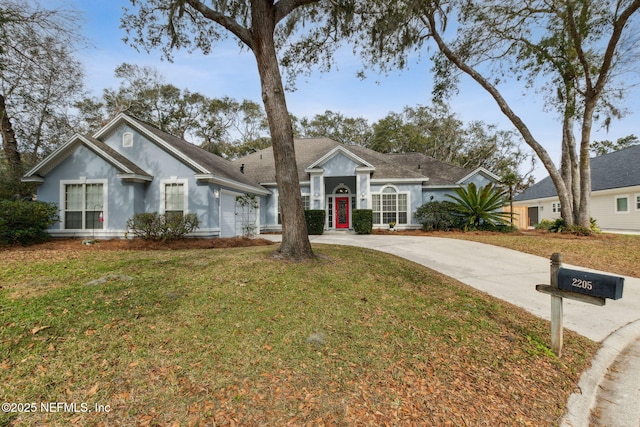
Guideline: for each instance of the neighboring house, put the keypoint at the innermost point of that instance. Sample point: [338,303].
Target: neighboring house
[615,193]
[131,167]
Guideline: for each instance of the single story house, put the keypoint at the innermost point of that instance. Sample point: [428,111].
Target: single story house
[131,167]
[615,193]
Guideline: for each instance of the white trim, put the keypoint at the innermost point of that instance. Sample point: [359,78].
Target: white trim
[231,183]
[185,195]
[51,157]
[490,174]
[333,153]
[132,177]
[401,181]
[104,208]
[636,201]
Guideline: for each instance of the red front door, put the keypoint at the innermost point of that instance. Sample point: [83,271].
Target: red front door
[342,212]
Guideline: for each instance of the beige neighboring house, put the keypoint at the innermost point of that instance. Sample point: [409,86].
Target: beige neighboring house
[615,193]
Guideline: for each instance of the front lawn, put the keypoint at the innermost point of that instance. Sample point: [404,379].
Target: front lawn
[233,337]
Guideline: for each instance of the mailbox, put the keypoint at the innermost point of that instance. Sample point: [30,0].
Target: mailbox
[597,285]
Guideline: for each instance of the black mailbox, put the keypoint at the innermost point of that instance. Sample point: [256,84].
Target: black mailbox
[597,285]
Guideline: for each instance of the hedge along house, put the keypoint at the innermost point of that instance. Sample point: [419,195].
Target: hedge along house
[131,167]
[615,193]
[339,178]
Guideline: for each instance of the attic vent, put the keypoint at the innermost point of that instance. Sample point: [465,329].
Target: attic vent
[127,140]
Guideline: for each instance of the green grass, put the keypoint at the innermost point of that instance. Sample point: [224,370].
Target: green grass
[221,336]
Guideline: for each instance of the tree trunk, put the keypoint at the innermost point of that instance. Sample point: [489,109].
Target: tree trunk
[295,240]
[10,148]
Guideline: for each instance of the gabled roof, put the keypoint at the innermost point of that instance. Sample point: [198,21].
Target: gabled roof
[206,165]
[313,152]
[340,149]
[128,170]
[613,170]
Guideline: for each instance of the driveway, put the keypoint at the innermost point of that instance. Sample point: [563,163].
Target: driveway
[503,273]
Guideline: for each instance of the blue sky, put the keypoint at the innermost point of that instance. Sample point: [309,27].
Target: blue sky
[227,71]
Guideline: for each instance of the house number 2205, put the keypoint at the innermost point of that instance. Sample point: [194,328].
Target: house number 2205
[584,284]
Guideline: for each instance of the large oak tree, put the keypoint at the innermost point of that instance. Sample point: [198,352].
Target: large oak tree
[263,27]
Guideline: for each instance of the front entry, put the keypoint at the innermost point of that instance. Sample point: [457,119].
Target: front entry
[342,212]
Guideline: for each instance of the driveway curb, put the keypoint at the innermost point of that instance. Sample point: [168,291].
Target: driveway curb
[582,401]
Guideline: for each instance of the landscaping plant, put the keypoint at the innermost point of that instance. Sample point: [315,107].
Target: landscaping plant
[480,206]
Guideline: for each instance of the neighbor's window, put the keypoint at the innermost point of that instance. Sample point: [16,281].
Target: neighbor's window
[83,206]
[556,207]
[638,202]
[622,204]
[389,206]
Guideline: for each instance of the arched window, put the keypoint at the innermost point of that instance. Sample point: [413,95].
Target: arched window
[389,206]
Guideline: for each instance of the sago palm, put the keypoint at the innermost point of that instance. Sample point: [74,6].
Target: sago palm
[480,205]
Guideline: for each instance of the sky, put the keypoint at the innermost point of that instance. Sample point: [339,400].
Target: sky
[228,71]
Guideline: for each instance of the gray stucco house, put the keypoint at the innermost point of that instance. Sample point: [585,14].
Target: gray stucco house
[131,167]
[615,193]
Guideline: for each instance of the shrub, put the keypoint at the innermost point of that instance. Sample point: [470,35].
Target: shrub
[362,221]
[26,222]
[439,216]
[315,221]
[480,205]
[545,224]
[558,226]
[153,226]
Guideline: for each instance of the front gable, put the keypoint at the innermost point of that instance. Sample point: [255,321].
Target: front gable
[340,162]
[137,143]
[84,149]
[480,177]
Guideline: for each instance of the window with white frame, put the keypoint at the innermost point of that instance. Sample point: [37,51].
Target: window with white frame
[622,204]
[173,195]
[83,206]
[556,207]
[389,206]
[638,202]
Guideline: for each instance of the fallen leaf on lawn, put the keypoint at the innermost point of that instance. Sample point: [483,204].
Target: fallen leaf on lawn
[38,329]
[93,390]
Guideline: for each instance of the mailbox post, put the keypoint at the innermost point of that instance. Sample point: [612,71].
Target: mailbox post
[556,306]
[583,286]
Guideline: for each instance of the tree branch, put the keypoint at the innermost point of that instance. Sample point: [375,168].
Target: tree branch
[284,7]
[225,21]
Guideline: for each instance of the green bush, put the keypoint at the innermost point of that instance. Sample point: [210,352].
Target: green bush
[315,221]
[438,216]
[154,226]
[26,222]
[362,221]
[545,224]
[560,226]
